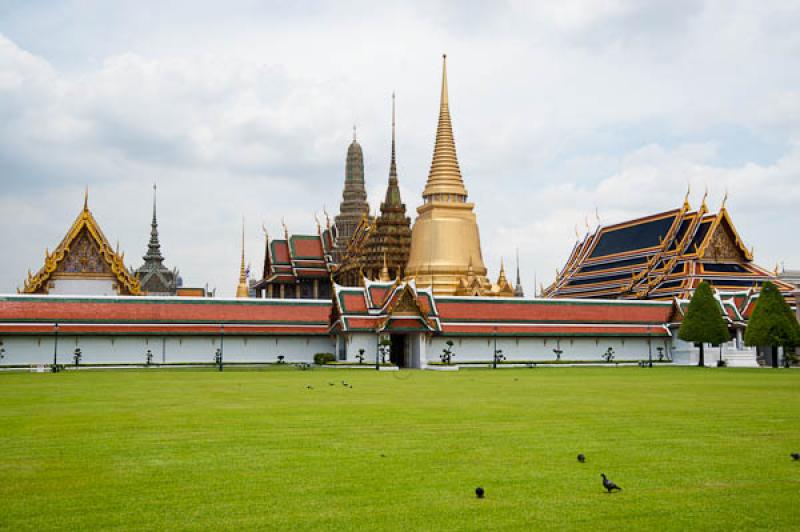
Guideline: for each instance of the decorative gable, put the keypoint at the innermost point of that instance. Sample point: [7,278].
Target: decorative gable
[83,253]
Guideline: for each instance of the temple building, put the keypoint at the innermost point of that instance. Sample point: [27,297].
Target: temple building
[84,263]
[297,266]
[379,248]
[155,278]
[662,256]
[354,206]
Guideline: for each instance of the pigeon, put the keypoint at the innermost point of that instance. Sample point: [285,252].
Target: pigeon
[310,387]
[344,384]
[349,385]
[607,484]
[479,492]
[331,384]
[795,456]
[581,458]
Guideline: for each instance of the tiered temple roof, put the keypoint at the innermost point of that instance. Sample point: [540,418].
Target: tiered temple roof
[662,256]
[380,248]
[298,266]
[83,254]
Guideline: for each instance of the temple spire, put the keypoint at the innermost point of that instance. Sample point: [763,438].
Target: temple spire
[241,290]
[354,203]
[154,246]
[444,180]
[393,190]
[518,291]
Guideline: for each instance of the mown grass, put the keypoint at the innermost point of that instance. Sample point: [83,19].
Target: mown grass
[191,449]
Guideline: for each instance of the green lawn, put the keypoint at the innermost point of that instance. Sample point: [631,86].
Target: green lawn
[692,448]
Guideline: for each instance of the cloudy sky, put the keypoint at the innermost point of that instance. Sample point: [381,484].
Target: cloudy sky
[245,109]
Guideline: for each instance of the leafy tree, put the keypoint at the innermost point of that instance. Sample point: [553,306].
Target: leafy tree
[772,323]
[703,322]
[360,356]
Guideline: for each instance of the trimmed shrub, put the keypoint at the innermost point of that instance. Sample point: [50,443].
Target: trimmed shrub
[324,358]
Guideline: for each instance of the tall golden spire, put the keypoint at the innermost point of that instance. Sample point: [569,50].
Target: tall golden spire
[444,180]
[241,290]
[445,245]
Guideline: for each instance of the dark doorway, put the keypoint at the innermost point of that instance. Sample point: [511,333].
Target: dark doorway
[398,354]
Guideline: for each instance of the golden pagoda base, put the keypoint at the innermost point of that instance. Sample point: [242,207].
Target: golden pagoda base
[445,247]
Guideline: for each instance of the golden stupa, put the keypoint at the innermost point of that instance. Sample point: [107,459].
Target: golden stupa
[445,243]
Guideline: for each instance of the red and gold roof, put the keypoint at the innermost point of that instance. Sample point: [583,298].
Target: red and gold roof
[662,256]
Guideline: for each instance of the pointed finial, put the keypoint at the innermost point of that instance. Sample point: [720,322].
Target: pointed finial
[597,215]
[264,230]
[577,236]
[444,80]
[285,229]
[705,195]
[586,222]
[86,198]
[354,133]
[686,198]
[724,200]
[327,218]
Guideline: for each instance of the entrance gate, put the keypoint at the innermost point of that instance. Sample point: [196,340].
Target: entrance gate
[398,353]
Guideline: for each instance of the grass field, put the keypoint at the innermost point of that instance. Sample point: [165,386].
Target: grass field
[692,448]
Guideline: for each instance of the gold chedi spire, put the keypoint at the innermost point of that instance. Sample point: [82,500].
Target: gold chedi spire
[444,180]
[242,290]
[445,242]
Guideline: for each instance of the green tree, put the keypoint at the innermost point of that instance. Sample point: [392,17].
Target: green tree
[772,323]
[703,322]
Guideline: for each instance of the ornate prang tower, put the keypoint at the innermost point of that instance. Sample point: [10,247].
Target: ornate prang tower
[354,205]
[445,243]
[155,278]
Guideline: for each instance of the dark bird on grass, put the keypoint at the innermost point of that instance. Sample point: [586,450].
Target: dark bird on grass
[479,492]
[349,385]
[581,458]
[310,387]
[331,384]
[795,456]
[607,484]
[344,383]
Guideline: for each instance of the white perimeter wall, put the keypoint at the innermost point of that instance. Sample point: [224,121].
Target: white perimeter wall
[470,348]
[25,350]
